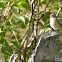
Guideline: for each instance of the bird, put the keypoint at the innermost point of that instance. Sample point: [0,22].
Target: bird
[54,22]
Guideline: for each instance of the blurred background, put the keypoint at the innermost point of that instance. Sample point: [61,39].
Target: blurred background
[14,20]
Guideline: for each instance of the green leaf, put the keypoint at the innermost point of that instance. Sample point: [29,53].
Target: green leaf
[13,37]
[15,10]
[59,4]
[16,0]
[41,12]
[2,41]
[3,49]
[6,44]
[23,25]
[26,20]
[20,40]
[61,0]
[44,19]
[6,54]
[2,5]
[47,29]
[8,49]
[15,44]
[19,5]
[25,5]
[43,2]
[0,30]
[22,19]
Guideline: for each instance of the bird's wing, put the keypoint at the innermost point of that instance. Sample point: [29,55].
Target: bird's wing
[58,22]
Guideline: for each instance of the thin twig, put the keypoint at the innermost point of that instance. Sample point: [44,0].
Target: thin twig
[14,32]
[6,10]
[30,2]
[38,18]
[19,51]
[28,30]
[10,20]
[29,23]
[45,9]
[47,5]
[59,11]
[30,16]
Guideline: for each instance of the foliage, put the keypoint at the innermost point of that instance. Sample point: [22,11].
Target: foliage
[18,13]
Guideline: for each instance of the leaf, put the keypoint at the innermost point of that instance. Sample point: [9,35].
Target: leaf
[3,49]
[6,46]
[15,44]
[60,51]
[41,12]
[2,41]
[3,0]
[22,19]
[44,2]
[15,10]
[20,40]
[61,0]
[13,37]
[48,29]
[26,20]
[2,5]
[44,19]
[8,49]
[6,54]
[19,5]
[25,5]
[56,8]
[0,30]
[59,4]
[23,25]
[16,0]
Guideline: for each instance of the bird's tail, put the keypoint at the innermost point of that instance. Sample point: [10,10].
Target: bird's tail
[61,29]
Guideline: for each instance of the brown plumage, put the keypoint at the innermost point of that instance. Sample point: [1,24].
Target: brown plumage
[54,22]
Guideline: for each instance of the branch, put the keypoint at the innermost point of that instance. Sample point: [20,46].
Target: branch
[45,9]
[47,5]
[29,23]
[13,58]
[28,31]
[28,27]
[10,20]
[14,32]
[8,10]
[19,51]
[34,38]
[6,14]
[38,17]
[59,11]
[30,2]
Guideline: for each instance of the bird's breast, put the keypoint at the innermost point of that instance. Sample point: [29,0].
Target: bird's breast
[52,23]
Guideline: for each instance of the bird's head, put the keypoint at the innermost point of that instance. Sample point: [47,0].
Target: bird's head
[52,15]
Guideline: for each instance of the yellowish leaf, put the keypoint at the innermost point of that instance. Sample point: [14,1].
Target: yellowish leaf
[0,30]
